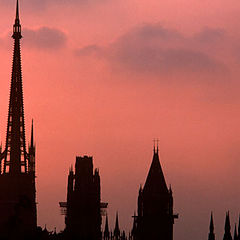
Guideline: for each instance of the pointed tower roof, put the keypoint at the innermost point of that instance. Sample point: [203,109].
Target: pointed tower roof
[211,235]
[116,229]
[227,233]
[155,180]
[227,223]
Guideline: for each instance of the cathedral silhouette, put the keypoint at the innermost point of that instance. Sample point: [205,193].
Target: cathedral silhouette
[83,209]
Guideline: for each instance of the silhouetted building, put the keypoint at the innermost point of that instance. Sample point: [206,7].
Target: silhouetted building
[211,235]
[83,207]
[17,173]
[155,206]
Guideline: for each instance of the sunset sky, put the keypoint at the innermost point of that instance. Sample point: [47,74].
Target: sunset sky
[106,77]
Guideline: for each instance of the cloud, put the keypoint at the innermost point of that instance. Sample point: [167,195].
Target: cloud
[153,49]
[210,35]
[41,5]
[44,38]
[88,50]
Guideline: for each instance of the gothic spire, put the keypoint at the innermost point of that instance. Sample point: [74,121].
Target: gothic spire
[211,235]
[32,141]
[117,229]
[227,233]
[106,231]
[15,155]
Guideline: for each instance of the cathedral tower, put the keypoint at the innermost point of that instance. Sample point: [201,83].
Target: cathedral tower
[83,207]
[17,173]
[155,205]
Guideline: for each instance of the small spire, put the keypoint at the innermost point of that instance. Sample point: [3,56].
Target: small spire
[106,231]
[227,222]
[117,229]
[227,233]
[211,235]
[211,228]
[32,141]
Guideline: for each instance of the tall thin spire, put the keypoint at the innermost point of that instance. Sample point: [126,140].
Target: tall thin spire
[32,141]
[15,155]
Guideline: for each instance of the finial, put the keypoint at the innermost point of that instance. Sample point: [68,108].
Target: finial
[17,11]
[211,223]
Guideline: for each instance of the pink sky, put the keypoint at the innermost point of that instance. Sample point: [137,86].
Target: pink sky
[104,78]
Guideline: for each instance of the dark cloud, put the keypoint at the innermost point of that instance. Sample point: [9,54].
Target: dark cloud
[154,49]
[159,60]
[44,38]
